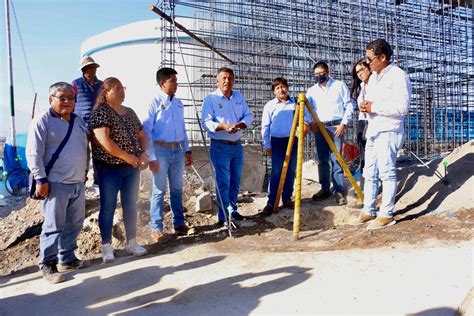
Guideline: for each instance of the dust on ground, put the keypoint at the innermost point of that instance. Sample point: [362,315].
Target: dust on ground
[429,211]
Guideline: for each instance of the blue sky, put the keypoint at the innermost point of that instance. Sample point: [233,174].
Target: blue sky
[52,32]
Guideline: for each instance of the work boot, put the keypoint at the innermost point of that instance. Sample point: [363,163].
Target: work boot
[381,222]
[362,219]
[160,237]
[321,195]
[51,274]
[289,204]
[107,253]
[340,199]
[267,210]
[135,249]
[76,264]
[182,230]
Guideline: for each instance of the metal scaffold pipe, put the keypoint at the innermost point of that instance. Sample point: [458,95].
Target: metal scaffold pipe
[10,76]
[191,34]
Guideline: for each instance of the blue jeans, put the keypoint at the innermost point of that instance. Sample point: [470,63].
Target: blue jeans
[380,162]
[325,155]
[171,161]
[228,161]
[64,211]
[113,180]
[279,146]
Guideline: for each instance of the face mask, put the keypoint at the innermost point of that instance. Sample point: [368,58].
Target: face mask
[321,78]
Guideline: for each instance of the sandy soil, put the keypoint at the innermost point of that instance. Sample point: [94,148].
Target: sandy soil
[428,212]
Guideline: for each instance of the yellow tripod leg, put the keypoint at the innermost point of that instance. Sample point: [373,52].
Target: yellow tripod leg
[286,163]
[299,167]
[328,138]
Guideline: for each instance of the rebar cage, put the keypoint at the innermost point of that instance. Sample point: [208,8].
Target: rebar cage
[432,42]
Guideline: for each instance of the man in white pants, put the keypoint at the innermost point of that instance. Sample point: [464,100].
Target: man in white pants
[387,101]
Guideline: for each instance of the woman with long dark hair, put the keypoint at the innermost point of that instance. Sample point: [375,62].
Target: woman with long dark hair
[118,151]
[360,77]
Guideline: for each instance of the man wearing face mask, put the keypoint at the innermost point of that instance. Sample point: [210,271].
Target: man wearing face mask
[331,100]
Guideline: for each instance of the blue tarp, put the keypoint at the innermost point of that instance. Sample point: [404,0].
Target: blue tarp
[15,159]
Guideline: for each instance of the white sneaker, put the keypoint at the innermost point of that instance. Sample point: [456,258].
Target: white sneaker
[107,253]
[135,249]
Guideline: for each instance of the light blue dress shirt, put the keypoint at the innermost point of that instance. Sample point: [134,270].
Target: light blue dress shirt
[164,122]
[332,102]
[277,119]
[217,109]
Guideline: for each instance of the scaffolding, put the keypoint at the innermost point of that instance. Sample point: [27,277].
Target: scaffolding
[432,41]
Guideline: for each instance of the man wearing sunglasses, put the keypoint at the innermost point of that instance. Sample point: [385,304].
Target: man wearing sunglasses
[386,103]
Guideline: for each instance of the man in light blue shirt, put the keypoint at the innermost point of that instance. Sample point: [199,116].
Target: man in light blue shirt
[225,114]
[63,188]
[168,150]
[331,100]
[277,120]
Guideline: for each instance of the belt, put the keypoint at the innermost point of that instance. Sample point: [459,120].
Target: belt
[228,142]
[167,145]
[332,123]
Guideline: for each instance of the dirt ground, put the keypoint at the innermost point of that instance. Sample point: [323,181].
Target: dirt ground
[428,212]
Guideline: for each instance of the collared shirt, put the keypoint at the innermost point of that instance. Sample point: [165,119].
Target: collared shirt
[390,93]
[277,119]
[45,135]
[217,109]
[331,102]
[164,122]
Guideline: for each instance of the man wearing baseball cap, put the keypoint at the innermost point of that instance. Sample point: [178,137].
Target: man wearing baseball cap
[87,88]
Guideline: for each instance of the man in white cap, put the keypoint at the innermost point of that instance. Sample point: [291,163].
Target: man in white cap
[87,88]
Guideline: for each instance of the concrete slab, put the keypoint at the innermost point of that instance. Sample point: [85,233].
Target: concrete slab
[204,202]
[200,280]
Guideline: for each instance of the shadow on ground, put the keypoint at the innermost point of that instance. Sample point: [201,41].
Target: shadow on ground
[459,172]
[100,296]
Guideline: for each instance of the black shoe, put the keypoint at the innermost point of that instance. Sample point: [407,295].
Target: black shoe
[76,264]
[321,195]
[340,199]
[267,210]
[221,224]
[237,216]
[289,204]
[51,274]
